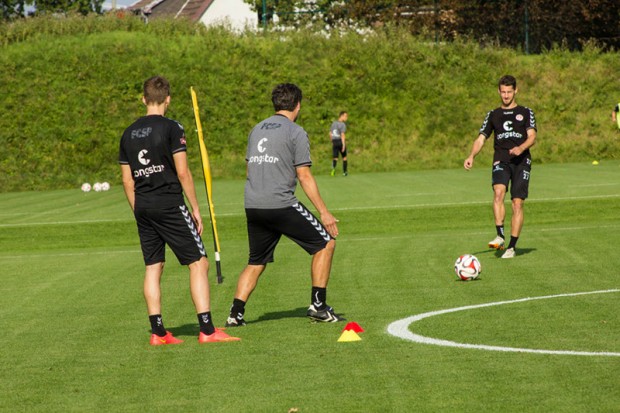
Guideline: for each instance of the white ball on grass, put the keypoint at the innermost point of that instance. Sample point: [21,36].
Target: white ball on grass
[467,267]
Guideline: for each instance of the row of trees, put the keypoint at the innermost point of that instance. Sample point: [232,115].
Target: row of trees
[12,9]
[534,25]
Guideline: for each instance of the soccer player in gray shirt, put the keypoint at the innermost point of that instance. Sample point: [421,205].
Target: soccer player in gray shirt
[337,136]
[278,155]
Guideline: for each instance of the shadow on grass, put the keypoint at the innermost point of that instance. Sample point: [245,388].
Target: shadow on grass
[498,253]
[193,329]
[299,312]
[185,330]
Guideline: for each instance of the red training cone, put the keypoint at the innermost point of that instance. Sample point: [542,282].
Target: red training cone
[354,327]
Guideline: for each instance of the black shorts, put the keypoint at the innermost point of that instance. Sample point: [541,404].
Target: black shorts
[337,148]
[173,226]
[517,174]
[266,227]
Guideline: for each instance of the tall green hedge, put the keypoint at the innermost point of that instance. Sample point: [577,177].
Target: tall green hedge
[69,87]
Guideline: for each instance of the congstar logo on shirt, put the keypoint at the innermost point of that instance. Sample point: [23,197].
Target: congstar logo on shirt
[146,172]
[265,158]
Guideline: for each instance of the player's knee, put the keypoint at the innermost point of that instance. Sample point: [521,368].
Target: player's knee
[517,204]
[202,264]
[331,245]
[158,266]
[328,251]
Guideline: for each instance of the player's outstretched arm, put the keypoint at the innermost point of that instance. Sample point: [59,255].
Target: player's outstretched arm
[310,187]
[475,150]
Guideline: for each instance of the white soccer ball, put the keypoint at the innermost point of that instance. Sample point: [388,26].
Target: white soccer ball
[97,187]
[105,186]
[467,267]
[85,187]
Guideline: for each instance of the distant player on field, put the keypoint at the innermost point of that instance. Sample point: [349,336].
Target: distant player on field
[278,155]
[514,128]
[614,115]
[155,173]
[337,133]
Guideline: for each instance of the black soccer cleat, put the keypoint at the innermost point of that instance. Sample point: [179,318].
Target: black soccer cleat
[235,322]
[326,315]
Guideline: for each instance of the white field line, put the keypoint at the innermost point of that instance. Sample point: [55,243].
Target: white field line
[364,239]
[595,185]
[417,235]
[85,221]
[71,254]
[400,329]
[489,202]
[377,207]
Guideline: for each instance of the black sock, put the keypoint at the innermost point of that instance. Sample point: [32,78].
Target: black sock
[319,296]
[500,230]
[513,242]
[237,309]
[344,166]
[206,324]
[157,325]
[334,163]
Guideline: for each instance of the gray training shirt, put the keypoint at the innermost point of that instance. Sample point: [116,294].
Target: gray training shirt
[276,147]
[337,129]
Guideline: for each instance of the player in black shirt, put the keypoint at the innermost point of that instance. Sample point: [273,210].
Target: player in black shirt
[155,173]
[514,128]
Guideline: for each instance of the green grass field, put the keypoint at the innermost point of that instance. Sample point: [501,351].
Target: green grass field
[75,330]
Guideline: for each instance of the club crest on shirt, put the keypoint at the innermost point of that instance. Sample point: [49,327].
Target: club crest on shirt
[519,117]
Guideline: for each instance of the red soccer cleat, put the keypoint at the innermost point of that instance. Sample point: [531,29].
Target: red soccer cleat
[167,339]
[218,336]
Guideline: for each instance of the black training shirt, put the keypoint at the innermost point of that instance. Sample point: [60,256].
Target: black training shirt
[147,146]
[510,127]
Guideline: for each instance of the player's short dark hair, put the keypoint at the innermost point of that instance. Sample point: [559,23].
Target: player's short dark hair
[286,96]
[156,90]
[507,80]
[344,112]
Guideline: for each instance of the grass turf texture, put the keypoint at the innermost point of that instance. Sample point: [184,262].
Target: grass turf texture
[76,331]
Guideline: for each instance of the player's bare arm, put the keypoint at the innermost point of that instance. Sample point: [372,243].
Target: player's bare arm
[344,144]
[187,182]
[128,185]
[475,150]
[529,142]
[308,184]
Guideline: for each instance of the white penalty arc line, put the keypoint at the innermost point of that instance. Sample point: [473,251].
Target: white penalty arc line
[359,208]
[400,329]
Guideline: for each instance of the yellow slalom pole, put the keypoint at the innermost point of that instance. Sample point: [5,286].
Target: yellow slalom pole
[206,170]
